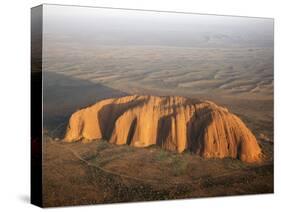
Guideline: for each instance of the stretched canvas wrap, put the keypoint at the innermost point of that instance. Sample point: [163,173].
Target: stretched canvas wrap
[135,105]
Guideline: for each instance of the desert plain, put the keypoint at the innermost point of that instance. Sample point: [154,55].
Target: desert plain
[233,71]
[100,172]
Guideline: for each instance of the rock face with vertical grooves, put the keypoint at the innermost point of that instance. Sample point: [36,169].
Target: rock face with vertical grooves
[174,123]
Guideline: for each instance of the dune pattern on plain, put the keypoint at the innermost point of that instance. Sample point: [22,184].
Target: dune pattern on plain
[227,72]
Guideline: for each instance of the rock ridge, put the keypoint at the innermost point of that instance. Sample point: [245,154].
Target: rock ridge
[172,122]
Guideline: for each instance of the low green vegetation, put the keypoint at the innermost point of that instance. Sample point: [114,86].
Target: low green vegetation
[162,155]
[179,165]
[101,145]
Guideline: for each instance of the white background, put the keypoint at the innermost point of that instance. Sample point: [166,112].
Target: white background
[15,103]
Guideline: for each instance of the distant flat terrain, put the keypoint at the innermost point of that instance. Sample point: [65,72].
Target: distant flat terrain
[240,72]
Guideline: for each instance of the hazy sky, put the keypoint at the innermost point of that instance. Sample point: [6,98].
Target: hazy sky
[129,27]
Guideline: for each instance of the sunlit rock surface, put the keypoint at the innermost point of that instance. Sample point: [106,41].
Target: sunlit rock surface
[172,122]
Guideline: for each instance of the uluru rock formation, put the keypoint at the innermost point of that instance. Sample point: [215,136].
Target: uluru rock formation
[174,123]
